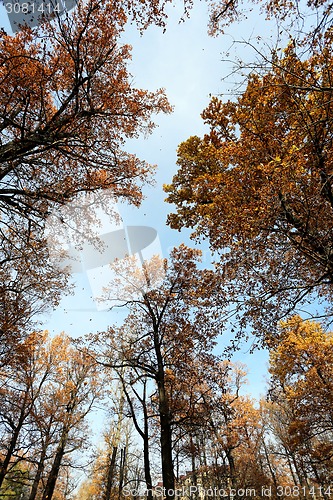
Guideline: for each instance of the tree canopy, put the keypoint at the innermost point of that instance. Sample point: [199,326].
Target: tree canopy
[259,185]
[67,106]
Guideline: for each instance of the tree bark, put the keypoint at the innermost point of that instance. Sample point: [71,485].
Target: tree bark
[53,476]
[271,470]
[4,465]
[232,468]
[146,457]
[38,475]
[166,441]
[110,478]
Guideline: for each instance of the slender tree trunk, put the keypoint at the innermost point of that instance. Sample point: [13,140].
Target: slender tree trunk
[165,424]
[145,437]
[291,468]
[53,476]
[40,468]
[143,433]
[194,472]
[146,457]
[166,442]
[122,469]
[166,452]
[5,463]
[271,470]
[202,446]
[110,478]
[232,468]
[116,439]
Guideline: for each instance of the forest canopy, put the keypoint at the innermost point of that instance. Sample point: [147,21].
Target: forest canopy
[259,185]
[172,407]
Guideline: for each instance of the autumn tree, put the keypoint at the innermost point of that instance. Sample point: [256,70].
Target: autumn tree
[259,187]
[225,448]
[283,445]
[22,381]
[77,388]
[16,483]
[233,425]
[29,285]
[126,462]
[135,386]
[67,106]
[169,324]
[306,20]
[301,390]
[45,396]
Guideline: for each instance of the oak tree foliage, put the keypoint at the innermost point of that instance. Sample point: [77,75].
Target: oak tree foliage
[258,186]
[168,328]
[301,396]
[67,106]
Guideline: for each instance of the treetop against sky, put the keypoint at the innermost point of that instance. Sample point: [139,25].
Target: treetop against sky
[99,108]
[187,62]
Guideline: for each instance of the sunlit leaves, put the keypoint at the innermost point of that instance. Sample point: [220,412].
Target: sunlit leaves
[259,185]
[301,391]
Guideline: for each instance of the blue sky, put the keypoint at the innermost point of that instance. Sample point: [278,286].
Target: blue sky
[189,65]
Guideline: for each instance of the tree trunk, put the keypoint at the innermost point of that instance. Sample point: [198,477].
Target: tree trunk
[166,441]
[232,468]
[107,494]
[271,470]
[165,423]
[4,465]
[122,469]
[38,475]
[194,472]
[143,433]
[53,476]
[166,452]
[146,458]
